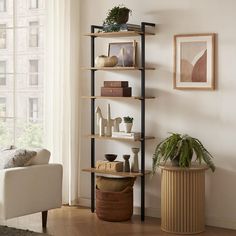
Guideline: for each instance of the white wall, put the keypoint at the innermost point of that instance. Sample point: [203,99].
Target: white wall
[208,115]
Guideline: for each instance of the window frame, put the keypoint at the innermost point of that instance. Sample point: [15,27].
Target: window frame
[4,6]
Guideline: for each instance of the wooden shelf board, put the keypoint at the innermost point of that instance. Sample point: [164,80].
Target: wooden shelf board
[96,136]
[123,174]
[118,34]
[129,98]
[118,68]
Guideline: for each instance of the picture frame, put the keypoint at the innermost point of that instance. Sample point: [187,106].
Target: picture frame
[125,52]
[194,61]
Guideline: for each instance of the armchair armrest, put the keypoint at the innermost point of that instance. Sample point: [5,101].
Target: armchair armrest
[27,190]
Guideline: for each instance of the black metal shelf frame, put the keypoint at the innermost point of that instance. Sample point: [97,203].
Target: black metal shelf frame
[143,28]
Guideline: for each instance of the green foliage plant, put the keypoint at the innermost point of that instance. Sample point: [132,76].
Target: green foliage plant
[128,119]
[117,15]
[180,150]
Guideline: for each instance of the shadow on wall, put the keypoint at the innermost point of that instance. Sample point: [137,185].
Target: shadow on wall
[220,182]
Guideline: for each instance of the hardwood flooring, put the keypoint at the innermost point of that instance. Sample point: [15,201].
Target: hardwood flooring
[73,221]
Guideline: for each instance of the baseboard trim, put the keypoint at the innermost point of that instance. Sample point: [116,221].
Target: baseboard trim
[156,212]
[85,202]
[221,222]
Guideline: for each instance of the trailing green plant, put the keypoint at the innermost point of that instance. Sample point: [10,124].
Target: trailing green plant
[128,119]
[180,149]
[117,15]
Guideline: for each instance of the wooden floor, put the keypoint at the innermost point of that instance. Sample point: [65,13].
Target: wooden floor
[72,221]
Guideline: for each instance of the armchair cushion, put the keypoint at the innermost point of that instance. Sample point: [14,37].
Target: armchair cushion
[15,158]
[41,158]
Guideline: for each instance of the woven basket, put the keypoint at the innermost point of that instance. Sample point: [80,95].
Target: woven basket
[114,206]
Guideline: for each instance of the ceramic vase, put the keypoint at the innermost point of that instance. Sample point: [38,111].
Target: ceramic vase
[135,166]
[127,165]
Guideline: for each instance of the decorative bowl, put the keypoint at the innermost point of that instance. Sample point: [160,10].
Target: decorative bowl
[110,157]
[104,61]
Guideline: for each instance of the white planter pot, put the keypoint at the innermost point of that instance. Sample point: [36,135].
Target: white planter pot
[128,127]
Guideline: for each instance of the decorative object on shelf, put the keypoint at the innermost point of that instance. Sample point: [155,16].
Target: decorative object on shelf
[128,123]
[105,61]
[127,165]
[194,61]
[115,17]
[135,165]
[105,125]
[110,157]
[116,92]
[116,89]
[115,166]
[116,84]
[131,135]
[179,149]
[125,52]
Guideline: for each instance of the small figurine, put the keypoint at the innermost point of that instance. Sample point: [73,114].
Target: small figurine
[105,126]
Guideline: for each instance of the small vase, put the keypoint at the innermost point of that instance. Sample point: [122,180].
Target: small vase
[127,165]
[128,127]
[135,166]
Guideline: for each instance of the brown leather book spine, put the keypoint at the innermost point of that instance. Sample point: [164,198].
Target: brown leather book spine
[116,84]
[116,92]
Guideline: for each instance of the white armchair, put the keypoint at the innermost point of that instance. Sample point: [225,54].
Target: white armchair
[31,189]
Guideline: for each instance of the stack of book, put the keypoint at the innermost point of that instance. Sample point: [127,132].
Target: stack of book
[132,135]
[116,89]
[130,27]
[125,27]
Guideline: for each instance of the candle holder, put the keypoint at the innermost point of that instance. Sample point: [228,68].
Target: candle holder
[135,165]
[127,165]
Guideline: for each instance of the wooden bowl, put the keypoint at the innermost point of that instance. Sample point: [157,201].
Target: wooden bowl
[110,157]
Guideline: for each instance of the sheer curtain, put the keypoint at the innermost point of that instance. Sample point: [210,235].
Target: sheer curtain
[62,91]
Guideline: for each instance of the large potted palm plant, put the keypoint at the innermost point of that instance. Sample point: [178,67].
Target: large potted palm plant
[182,183]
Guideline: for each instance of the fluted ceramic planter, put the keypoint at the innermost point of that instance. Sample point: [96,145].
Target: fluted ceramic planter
[183,199]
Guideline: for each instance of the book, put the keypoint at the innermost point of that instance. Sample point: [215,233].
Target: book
[116,92]
[116,84]
[132,135]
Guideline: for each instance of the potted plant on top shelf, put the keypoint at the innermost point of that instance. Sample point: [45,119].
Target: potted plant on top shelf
[179,149]
[117,16]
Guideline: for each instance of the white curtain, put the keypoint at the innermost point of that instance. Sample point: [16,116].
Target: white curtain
[62,91]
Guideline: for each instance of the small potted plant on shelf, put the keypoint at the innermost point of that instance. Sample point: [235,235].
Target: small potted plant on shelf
[117,16]
[128,123]
[179,149]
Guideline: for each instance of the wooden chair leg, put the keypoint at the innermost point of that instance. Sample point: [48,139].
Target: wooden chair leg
[44,218]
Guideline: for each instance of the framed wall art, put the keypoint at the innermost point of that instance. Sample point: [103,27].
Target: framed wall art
[125,52]
[194,59]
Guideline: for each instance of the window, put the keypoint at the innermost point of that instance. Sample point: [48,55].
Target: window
[3,5]
[34,4]
[33,72]
[21,101]
[3,36]
[3,73]
[33,109]
[3,108]
[33,34]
